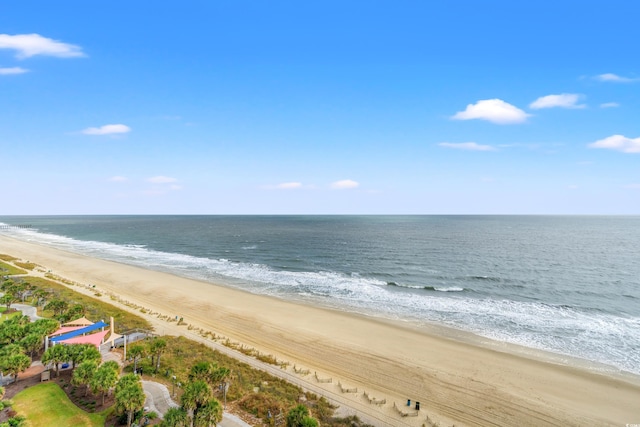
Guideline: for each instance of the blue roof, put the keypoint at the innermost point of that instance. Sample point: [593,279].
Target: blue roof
[81,331]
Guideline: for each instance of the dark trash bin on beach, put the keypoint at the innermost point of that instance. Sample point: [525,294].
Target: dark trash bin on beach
[408,402]
[417,406]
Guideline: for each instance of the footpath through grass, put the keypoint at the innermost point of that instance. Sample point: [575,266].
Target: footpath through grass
[46,405]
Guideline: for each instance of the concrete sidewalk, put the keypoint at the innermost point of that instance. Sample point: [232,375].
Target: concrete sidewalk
[27,310]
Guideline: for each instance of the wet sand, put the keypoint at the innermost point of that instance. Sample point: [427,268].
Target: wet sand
[455,381]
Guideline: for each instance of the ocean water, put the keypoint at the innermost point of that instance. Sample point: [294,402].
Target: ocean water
[568,284]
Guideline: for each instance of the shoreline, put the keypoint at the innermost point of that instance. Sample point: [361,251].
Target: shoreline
[456,380]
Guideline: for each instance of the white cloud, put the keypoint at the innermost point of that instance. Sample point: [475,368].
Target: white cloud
[28,45]
[12,70]
[161,179]
[470,146]
[493,110]
[107,130]
[633,186]
[345,184]
[289,186]
[610,77]
[618,143]
[118,178]
[564,100]
[609,105]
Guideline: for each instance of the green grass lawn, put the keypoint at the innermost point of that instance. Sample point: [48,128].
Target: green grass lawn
[4,317]
[9,270]
[46,405]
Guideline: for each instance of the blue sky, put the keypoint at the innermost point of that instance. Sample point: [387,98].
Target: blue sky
[369,107]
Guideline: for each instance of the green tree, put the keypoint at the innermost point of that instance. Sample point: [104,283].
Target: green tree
[136,351]
[42,327]
[15,364]
[57,354]
[31,343]
[11,332]
[57,306]
[201,371]
[12,292]
[76,311]
[208,414]
[112,364]
[40,296]
[8,299]
[103,379]
[299,417]
[130,396]
[175,417]
[208,372]
[84,373]
[156,348]
[196,394]
[80,352]
[127,380]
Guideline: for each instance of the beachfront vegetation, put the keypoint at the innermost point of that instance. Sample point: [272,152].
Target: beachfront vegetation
[198,376]
[19,337]
[79,305]
[252,390]
[84,373]
[26,265]
[130,396]
[299,417]
[104,378]
[9,270]
[46,405]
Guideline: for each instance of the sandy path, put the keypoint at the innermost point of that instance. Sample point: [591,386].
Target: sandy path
[456,382]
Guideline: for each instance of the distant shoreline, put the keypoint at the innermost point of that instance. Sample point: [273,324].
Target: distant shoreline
[390,359]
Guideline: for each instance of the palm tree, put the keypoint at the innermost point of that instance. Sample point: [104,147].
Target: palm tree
[209,372]
[56,355]
[201,371]
[130,397]
[157,347]
[84,374]
[15,364]
[42,327]
[209,414]
[126,380]
[299,417]
[57,306]
[11,333]
[81,352]
[136,351]
[175,417]
[6,351]
[104,378]
[31,343]
[196,394]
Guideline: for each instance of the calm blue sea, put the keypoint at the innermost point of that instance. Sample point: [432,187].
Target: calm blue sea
[567,284]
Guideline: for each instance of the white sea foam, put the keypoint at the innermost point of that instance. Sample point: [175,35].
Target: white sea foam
[599,337]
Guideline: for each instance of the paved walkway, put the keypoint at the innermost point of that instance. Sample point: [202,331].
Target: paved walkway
[27,310]
[159,401]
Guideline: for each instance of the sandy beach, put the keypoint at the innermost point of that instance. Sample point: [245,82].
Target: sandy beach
[456,382]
